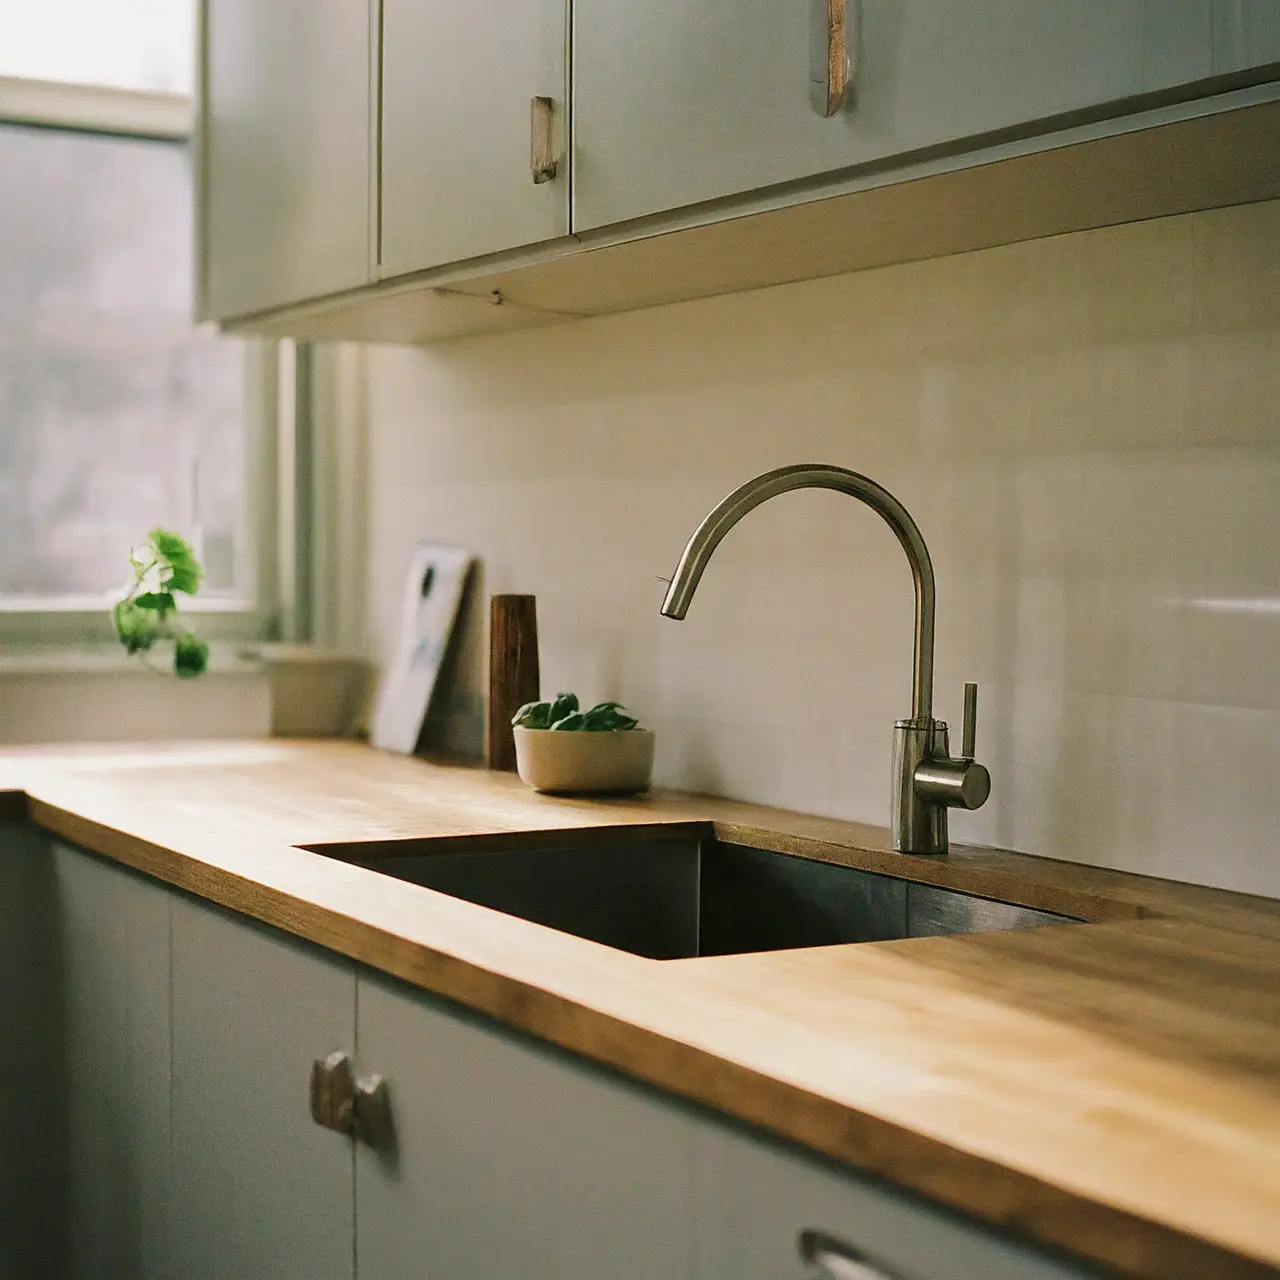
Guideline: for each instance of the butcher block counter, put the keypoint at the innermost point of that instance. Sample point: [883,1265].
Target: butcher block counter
[1110,1088]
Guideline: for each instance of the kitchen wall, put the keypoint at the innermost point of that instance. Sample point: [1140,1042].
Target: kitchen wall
[1087,430]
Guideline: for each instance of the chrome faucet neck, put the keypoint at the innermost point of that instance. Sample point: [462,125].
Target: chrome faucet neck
[709,533]
[926,779]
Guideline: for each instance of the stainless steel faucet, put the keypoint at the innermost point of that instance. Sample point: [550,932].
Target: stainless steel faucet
[927,779]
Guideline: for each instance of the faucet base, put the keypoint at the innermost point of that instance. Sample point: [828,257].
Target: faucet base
[919,826]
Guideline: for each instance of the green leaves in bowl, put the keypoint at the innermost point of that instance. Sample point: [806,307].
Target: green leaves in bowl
[562,713]
[148,612]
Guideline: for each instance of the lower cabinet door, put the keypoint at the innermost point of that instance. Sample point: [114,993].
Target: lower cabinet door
[32,1218]
[512,1161]
[759,1198]
[114,927]
[258,1191]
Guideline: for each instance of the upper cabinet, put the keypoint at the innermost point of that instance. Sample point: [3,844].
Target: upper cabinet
[406,170]
[285,150]
[474,126]
[678,103]
[1246,34]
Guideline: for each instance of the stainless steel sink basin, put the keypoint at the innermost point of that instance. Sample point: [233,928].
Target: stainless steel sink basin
[677,897]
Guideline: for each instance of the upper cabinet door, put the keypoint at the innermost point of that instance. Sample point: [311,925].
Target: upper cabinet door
[459,81]
[1246,34]
[286,149]
[682,101]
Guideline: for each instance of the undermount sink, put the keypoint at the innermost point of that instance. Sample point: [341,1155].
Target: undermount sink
[672,898]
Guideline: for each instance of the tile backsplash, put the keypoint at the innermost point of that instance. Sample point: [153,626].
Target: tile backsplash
[1086,429]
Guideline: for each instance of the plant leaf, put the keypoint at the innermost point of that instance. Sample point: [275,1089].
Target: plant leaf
[173,546]
[161,602]
[607,717]
[184,578]
[571,722]
[190,655]
[183,571]
[533,715]
[138,629]
[565,704]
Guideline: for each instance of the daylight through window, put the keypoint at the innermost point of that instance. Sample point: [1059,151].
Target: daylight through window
[116,412]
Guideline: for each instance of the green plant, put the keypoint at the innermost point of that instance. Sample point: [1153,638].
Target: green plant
[165,564]
[562,713]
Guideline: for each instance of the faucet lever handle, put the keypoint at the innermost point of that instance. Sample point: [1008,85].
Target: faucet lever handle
[969,731]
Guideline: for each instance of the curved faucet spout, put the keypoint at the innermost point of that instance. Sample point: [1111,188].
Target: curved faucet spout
[707,537]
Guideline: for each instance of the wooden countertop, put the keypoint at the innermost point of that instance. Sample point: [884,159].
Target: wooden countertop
[1111,1088]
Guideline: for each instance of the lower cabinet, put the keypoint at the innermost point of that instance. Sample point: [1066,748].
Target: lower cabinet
[32,1119]
[505,1158]
[256,1190]
[191,1035]
[761,1201]
[511,1159]
[114,930]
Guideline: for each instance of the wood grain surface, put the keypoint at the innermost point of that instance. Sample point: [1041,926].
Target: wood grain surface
[514,676]
[1109,1088]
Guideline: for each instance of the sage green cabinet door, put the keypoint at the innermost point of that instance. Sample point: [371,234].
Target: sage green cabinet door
[285,195]
[1246,34]
[513,1160]
[458,80]
[258,1190]
[681,101]
[114,927]
[32,1125]
[757,1197]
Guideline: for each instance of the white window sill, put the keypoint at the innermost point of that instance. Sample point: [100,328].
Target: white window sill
[249,691]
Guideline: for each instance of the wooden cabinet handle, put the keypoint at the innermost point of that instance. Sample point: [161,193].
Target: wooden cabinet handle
[833,48]
[832,1259]
[359,1108]
[333,1091]
[373,1113]
[542,155]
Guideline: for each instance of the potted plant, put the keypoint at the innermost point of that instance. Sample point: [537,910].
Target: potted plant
[148,613]
[561,748]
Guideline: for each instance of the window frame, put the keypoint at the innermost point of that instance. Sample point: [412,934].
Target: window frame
[275,404]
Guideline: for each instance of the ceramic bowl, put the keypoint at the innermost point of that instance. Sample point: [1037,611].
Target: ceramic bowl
[566,760]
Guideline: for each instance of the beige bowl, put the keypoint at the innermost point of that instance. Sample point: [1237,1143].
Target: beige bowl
[573,760]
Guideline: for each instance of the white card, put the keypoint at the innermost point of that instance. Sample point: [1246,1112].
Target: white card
[433,593]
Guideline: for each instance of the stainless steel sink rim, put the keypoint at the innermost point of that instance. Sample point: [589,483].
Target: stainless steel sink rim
[682,897]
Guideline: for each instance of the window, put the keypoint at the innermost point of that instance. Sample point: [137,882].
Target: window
[146,45]
[117,413]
